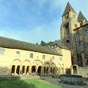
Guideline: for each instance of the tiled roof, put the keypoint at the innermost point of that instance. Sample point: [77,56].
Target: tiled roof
[15,44]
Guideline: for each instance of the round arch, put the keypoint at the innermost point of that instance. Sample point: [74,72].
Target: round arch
[26,62]
[74,68]
[16,62]
[37,63]
[15,66]
[46,66]
[25,66]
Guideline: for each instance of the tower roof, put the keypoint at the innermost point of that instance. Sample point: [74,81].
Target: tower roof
[81,17]
[68,8]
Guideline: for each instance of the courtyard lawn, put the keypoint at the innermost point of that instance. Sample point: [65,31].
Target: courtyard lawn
[32,83]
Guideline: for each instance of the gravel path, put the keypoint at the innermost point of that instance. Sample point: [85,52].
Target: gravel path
[55,81]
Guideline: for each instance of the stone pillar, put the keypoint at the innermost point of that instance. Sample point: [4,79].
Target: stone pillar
[20,71]
[25,70]
[15,70]
[36,69]
[30,69]
[71,69]
[42,70]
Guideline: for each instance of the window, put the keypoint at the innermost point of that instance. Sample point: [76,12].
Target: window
[17,53]
[67,41]
[31,55]
[75,25]
[1,50]
[77,37]
[66,26]
[60,59]
[55,45]
[43,56]
[52,46]
[67,16]
[81,23]
[86,33]
[53,57]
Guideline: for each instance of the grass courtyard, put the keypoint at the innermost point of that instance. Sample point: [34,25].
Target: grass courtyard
[31,83]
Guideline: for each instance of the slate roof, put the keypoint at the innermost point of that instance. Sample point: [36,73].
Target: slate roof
[68,8]
[60,44]
[81,17]
[15,44]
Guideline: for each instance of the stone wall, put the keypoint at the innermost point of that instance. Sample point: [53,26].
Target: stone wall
[83,71]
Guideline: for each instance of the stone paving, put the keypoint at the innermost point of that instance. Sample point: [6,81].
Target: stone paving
[56,82]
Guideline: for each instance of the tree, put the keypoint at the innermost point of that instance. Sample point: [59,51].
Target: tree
[43,43]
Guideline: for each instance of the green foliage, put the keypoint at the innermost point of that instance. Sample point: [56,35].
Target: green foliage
[46,44]
[43,43]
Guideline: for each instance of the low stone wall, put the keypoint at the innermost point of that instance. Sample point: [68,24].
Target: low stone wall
[8,77]
[83,71]
[72,79]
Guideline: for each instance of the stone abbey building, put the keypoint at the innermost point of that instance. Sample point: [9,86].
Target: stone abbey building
[66,56]
[18,57]
[74,34]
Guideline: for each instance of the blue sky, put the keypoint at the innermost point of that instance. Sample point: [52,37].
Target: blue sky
[35,20]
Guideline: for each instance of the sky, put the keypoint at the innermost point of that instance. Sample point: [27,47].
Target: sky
[35,20]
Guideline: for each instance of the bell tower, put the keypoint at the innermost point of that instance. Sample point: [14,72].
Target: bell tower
[69,18]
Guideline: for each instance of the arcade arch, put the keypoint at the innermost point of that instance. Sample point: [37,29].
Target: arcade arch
[15,68]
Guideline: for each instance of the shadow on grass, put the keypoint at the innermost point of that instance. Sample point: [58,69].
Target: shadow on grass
[16,84]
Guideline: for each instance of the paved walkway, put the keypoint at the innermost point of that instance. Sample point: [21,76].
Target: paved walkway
[56,82]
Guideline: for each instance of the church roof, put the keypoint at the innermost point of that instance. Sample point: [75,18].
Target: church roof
[68,8]
[60,44]
[15,44]
[81,17]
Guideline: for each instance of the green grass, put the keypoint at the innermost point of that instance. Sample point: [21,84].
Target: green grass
[32,83]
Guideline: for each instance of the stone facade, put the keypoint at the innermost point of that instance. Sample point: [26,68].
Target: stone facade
[21,58]
[74,34]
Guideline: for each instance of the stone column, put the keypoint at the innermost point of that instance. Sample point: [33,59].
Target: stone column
[25,70]
[42,70]
[15,70]
[20,71]
[30,69]
[36,69]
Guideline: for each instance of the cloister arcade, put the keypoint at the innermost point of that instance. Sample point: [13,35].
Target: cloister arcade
[36,66]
